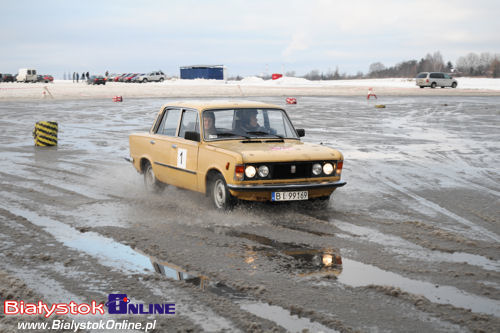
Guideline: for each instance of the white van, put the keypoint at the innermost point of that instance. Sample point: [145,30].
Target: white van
[435,79]
[26,75]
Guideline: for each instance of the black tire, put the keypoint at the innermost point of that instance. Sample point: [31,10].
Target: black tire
[151,183]
[433,85]
[422,87]
[454,85]
[219,194]
[144,80]
[161,79]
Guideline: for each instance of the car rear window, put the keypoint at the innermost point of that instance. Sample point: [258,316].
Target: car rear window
[421,75]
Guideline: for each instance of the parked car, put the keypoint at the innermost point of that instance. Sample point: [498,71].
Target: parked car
[45,78]
[158,76]
[435,79]
[228,160]
[124,76]
[27,75]
[111,77]
[130,78]
[6,78]
[96,79]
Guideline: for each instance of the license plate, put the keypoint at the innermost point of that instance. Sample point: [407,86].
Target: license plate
[290,196]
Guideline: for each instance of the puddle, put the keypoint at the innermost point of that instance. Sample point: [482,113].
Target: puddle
[295,258]
[357,274]
[282,317]
[118,256]
[274,313]
[403,247]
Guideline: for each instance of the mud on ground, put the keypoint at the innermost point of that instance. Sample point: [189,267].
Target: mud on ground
[410,244]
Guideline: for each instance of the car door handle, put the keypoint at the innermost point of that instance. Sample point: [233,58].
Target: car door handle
[152,142]
[174,146]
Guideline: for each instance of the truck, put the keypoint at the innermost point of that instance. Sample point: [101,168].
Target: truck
[27,75]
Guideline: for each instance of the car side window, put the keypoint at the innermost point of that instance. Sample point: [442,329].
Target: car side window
[433,76]
[169,122]
[189,122]
[446,76]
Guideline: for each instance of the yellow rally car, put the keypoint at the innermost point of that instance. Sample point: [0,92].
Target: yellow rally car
[234,150]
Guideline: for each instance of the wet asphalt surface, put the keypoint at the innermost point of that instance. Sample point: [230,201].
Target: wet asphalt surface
[411,243]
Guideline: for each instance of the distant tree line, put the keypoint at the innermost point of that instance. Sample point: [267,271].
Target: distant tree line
[484,64]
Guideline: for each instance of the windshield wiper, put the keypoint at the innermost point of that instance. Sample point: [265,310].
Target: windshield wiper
[264,133]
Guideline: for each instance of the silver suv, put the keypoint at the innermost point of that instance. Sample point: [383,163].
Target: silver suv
[153,76]
[435,79]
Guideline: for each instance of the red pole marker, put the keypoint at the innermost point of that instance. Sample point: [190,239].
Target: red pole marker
[371,94]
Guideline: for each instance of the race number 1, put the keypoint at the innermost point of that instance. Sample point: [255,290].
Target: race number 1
[181,158]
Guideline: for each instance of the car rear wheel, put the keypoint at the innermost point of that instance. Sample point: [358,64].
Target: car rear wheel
[151,183]
[219,193]
[433,85]
[161,79]
[144,80]
[422,87]
[454,85]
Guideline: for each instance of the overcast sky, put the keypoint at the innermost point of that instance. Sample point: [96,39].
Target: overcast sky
[248,37]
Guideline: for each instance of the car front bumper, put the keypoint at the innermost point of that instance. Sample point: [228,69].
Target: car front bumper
[286,187]
[263,192]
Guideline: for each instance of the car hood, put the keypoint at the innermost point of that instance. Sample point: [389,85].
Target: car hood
[278,151]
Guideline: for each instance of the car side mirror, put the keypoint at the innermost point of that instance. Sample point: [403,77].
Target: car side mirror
[192,135]
[301,132]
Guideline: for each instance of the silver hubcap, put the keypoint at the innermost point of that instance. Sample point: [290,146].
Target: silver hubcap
[219,193]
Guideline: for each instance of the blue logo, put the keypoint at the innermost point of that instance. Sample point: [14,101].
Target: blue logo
[120,304]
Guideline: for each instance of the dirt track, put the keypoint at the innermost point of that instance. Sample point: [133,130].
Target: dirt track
[416,228]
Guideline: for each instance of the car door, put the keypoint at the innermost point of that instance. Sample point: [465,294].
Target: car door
[441,80]
[447,80]
[163,146]
[185,160]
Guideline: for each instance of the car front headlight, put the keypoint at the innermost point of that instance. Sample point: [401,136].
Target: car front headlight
[250,171]
[317,169]
[263,171]
[327,260]
[328,168]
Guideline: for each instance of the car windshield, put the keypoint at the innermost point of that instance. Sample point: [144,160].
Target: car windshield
[247,123]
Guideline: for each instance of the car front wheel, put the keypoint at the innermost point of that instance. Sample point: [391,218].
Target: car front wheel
[433,85]
[221,198]
[454,85]
[151,183]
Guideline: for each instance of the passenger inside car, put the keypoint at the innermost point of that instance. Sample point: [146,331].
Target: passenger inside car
[209,125]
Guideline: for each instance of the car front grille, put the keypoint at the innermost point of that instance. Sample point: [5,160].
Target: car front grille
[290,170]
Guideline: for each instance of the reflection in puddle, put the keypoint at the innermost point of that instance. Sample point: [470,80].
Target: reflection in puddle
[299,259]
[277,314]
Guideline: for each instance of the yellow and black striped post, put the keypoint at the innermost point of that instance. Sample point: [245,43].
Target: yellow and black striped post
[45,133]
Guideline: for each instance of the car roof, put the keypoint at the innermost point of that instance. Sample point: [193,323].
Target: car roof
[220,104]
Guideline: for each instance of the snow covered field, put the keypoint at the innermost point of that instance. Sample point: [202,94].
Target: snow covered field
[248,87]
